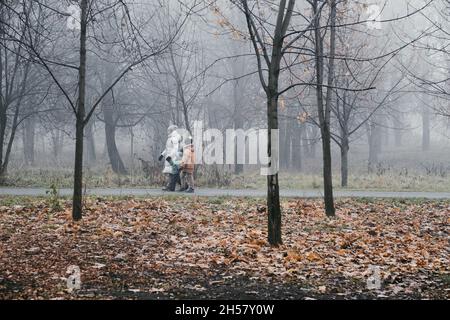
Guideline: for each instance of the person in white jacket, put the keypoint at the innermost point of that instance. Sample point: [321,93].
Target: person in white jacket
[173,151]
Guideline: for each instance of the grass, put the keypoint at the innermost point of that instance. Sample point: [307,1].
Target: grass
[445,278]
[10,201]
[44,178]
[30,201]
[371,182]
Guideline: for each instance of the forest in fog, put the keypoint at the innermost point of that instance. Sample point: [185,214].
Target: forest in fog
[224,149]
[150,64]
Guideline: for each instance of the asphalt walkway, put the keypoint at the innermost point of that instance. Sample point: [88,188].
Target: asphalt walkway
[231,193]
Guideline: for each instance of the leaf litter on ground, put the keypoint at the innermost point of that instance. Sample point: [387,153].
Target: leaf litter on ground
[194,247]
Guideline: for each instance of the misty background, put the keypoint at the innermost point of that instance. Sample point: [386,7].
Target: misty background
[394,136]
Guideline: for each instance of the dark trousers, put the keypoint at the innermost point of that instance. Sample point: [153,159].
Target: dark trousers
[174,179]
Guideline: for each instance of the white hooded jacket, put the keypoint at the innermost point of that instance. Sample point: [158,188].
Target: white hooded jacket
[173,150]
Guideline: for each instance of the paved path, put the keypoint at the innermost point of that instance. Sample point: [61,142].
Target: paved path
[232,193]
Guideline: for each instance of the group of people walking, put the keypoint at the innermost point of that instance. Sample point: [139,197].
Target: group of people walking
[179,160]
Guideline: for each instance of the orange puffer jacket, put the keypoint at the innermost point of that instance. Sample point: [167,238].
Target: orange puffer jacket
[188,161]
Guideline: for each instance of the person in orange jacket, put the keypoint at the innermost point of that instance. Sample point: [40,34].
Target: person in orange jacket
[187,166]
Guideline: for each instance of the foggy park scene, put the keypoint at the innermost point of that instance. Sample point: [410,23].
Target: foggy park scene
[224,150]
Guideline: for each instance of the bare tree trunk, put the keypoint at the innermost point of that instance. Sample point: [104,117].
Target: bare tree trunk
[91,156]
[297,147]
[57,144]
[238,124]
[273,63]
[132,153]
[285,146]
[110,133]
[374,136]
[78,171]
[344,160]
[14,125]
[5,162]
[273,191]
[238,103]
[313,142]
[310,141]
[28,138]
[345,137]
[77,206]
[386,137]
[3,123]
[324,108]
[327,172]
[398,131]
[425,129]
[181,99]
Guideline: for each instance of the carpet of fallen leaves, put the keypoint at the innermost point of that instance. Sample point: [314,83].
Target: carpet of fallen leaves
[164,248]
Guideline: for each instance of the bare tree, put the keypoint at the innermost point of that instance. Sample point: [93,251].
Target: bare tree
[91,12]
[270,56]
[17,77]
[431,74]
[324,107]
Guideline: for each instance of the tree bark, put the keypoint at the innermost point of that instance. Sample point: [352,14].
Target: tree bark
[297,163]
[14,125]
[344,118]
[273,64]
[180,96]
[57,144]
[285,147]
[310,143]
[238,104]
[344,161]
[5,162]
[28,139]
[110,133]
[238,124]
[3,123]
[77,206]
[273,190]
[324,109]
[327,172]
[91,156]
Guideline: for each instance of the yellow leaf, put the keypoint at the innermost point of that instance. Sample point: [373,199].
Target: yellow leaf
[293,256]
[312,256]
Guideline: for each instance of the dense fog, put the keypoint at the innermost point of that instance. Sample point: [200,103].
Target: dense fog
[187,61]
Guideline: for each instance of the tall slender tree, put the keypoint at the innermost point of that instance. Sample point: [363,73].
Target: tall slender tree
[324,107]
[271,88]
[92,14]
